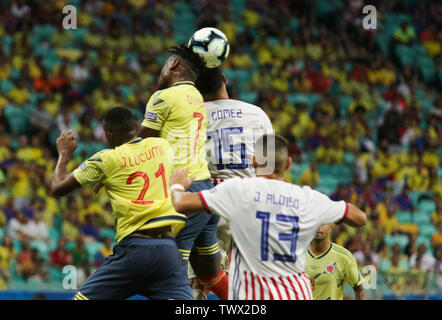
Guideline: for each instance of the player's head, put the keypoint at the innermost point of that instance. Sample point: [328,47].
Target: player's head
[119,125]
[182,65]
[323,232]
[271,155]
[210,81]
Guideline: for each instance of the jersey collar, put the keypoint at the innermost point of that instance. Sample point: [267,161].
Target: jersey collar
[179,83]
[136,140]
[321,255]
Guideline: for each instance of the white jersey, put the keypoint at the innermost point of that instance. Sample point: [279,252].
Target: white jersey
[272,224]
[232,129]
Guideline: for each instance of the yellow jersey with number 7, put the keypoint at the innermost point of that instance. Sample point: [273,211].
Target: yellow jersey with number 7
[136,176]
[178,113]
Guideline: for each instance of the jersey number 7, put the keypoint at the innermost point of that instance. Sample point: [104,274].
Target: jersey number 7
[291,237]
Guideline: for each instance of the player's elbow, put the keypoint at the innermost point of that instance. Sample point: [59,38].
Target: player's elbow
[179,203]
[362,219]
[56,190]
[179,207]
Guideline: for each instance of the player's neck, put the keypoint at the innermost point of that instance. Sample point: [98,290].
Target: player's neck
[125,139]
[319,247]
[180,78]
[220,94]
[274,176]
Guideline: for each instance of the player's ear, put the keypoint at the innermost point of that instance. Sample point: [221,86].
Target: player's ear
[174,63]
[289,162]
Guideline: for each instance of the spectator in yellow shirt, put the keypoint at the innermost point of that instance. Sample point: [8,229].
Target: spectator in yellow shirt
[310,177]
[389,222]
[436,238]
[436,216]
[419,178]
[19,94]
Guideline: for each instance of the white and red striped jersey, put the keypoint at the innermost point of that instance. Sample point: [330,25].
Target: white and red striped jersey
[272,224]
[232,129]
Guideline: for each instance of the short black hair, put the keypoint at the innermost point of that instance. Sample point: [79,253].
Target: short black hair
[210,80]
[119,120]
[280,153]
[192,60]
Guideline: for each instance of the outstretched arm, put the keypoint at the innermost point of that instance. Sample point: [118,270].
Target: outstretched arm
[61,182]
[355,217]
[184,202]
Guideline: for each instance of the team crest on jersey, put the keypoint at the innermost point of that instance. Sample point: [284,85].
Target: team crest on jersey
[329,268]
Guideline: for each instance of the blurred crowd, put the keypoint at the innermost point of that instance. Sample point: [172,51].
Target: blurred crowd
[345,97]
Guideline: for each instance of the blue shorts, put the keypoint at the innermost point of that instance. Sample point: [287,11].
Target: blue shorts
[149,267]
[199,235]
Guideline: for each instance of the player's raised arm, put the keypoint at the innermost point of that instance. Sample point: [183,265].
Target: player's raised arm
[61,182]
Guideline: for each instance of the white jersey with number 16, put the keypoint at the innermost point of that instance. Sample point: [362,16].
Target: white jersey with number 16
[232,129]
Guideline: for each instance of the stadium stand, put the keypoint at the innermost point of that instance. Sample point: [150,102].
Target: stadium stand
[361,108]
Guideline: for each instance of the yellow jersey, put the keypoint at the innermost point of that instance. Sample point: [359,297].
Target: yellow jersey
[179,114]
[136,176]
[329,271]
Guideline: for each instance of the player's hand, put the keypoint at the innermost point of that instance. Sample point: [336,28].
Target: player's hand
[66,143]
[180,176]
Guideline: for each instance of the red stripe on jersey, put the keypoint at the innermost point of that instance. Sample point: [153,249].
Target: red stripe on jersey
[206,207]
[307,285]
[345,214]
[285,287]
[252,280]
[277,287]
[261,288]
[247,284]
[230,251]
[299,284]
[293,288]
[268,288]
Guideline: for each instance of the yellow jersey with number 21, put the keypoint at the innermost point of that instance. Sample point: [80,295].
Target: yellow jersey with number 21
[136,176]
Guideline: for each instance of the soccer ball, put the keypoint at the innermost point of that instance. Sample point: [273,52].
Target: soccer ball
[211,44]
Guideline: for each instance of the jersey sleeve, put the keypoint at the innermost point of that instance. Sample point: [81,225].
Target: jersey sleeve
[224,199]
[91,170]
[352,274]
[157,112]
[327,210]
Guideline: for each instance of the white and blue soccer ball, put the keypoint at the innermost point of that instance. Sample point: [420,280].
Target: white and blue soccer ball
[211,44]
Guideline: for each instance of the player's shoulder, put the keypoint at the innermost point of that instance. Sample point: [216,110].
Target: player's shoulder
[101,155]
[342,252]
[156,141]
